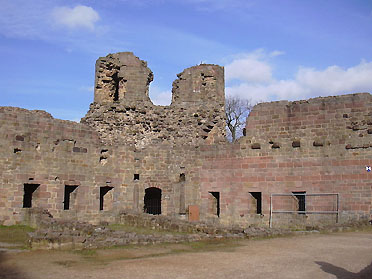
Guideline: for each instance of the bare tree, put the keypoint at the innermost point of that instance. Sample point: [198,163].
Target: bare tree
[237,109]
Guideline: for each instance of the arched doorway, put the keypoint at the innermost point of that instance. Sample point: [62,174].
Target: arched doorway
[152,201]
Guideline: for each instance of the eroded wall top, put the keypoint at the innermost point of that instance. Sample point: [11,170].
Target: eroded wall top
[123,113]
[202,83]
[121,77]
[337,122]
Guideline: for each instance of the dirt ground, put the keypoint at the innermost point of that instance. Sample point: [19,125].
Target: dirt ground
[341,255]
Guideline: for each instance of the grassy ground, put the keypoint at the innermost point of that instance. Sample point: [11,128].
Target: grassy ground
[16,234]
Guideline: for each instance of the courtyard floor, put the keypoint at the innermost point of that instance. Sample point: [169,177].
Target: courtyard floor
[338,255]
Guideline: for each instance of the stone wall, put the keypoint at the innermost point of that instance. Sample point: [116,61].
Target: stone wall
[55,156]
[316,124]
[121,76]
[322,145]
[126,147]
[122,112]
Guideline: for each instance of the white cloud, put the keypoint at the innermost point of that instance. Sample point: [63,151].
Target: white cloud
[163,98]
[251,67]
[89,89]
[37,20]
[77,17]
[335,79]
[276,53]
[159,97]
[308,83]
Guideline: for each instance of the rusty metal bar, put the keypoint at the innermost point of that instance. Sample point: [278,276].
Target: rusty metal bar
[271,211]
[337,212]
[320,194]
[304,212]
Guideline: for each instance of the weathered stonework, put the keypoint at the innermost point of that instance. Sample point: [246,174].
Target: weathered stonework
[123,113]
[127,152]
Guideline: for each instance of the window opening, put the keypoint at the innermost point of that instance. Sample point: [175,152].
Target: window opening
[216,203]
[68,191]
[102,192]
[29,189]
[257,197]
[296,144]
[116,81]
[152,201]
[136,176]
[301,198]
[182,177]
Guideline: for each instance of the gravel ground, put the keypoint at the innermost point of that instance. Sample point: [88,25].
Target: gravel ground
[340,255]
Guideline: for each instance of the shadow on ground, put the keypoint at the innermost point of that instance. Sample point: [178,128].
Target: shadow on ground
[342,273]
[9,272]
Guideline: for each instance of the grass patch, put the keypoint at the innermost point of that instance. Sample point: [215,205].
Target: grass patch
[16,234]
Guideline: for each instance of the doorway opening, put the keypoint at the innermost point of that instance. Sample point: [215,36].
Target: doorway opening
[152,201]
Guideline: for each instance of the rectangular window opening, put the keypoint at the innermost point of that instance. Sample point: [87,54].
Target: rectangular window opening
[257,197]
[29,189]
[102,192]
[216,203]
[182,177]
[136,176]
[67,199]
[301,198]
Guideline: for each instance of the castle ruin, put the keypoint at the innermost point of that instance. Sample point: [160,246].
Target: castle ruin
[300,162]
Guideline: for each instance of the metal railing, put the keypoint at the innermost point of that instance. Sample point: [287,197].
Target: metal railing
[337,211]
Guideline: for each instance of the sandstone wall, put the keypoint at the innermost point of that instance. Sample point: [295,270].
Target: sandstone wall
[121,76]
[122,112]
[321,122]
[317,146]
[39,150]
[126,145]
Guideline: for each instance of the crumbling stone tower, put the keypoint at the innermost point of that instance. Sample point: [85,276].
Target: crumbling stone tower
[121,77]
[199,84]
[123,113]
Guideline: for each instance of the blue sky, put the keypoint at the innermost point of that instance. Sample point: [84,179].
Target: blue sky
[272,50]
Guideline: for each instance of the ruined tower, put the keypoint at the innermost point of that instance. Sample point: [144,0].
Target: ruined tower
[121,77]
[199,84]
[123,113]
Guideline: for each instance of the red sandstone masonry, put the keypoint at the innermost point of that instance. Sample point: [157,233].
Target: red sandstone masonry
[315,169]
[324,146]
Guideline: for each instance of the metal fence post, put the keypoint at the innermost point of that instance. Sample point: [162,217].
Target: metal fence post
[271,211]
